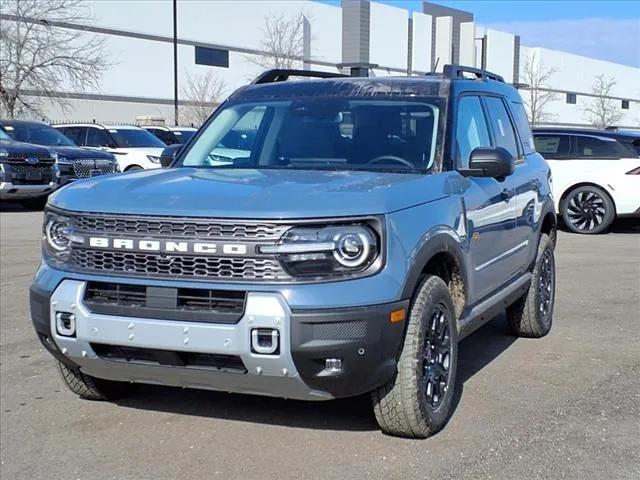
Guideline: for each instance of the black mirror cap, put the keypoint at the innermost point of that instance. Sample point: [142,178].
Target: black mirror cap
[494,162]
[169,154]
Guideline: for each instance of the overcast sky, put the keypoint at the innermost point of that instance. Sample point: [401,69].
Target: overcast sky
[606,29]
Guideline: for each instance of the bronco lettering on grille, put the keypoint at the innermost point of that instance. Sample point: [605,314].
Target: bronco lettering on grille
[168,246]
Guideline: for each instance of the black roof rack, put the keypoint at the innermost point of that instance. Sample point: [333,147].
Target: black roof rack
[458,71]
[280,75]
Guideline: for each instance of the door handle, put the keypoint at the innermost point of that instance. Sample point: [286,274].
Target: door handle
[507,193]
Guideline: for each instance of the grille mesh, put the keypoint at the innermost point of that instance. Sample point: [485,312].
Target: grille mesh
[25,168]
[178,266]
[22,156]
[82,168]
[160,227]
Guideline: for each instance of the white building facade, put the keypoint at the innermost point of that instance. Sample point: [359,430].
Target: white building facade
[227,37]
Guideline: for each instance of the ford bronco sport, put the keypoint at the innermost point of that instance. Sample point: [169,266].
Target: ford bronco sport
[360,229]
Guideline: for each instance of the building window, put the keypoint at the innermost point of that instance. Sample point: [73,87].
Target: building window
[625,104]
[571,98]
[212,56]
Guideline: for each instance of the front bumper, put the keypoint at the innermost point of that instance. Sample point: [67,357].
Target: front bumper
[9,191]
[363,338]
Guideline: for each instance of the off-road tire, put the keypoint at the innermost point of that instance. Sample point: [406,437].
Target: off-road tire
[595,198]
[91,388]
[401,406]
[525,317]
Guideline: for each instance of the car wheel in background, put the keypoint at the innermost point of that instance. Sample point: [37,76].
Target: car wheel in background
[131,168]
[587,210]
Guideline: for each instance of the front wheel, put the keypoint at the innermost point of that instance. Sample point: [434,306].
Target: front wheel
[417,402]
[91,388]
[587,210]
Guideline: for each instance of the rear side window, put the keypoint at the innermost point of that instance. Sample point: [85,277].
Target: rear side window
[471,128]
[76,134]
[503,130]
[98,138]
[522,125]
[599,147]
[166,137]
[553,146]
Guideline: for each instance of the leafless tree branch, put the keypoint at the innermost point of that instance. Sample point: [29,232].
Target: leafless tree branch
[283,42]
[36,56]
[202,92]
[538,96]
[603,110]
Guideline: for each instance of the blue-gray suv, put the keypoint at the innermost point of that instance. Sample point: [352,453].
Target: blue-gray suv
[316,239]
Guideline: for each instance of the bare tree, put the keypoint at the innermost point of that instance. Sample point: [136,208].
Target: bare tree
[202,92]
[603,110]
[539,95]
[283,41]
[37,58]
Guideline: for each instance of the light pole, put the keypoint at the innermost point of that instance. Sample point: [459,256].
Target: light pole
[175,62]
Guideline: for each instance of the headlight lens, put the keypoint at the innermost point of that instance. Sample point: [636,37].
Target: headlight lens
[58,236]
[327,251]
[153,159]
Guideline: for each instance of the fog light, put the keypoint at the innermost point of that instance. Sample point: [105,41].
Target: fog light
[66,324]
[333,364]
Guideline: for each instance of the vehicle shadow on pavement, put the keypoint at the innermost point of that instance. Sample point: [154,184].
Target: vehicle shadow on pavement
[351,414]
[16,207]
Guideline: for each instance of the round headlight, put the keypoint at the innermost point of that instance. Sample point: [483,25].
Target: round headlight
[57,232]
[352,249]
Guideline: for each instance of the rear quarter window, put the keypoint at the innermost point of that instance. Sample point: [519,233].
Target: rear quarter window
[523,128]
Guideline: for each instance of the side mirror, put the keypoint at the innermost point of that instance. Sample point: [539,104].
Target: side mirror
[495,162]
[169,154]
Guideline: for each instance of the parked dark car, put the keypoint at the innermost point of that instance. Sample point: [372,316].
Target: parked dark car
[73,162]
[26,172]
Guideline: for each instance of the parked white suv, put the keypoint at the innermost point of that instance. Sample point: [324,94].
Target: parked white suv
[134,147]
[596,175]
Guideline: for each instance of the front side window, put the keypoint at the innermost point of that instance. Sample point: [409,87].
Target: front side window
[321,133]
[135,138]
[553,146]
[501,125]
[471,129]
[76,134]
[166,137]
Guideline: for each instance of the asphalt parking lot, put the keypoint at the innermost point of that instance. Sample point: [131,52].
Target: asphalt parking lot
[565,406]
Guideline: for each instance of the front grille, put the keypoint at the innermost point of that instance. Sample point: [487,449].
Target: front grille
[155,265]
[173,358]
[86,168]
[175,227]
[27,174]
[189,304]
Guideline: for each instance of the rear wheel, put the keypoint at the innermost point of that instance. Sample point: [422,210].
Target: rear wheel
[417,402]
[587,210]
[532,315]
[91,388]
[132,168]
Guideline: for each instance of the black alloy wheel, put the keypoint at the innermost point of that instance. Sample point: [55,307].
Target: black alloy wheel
[587,210]
[436,359]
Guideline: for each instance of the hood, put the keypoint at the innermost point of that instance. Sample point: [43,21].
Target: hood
[75,153]
[12,146]
[248,193]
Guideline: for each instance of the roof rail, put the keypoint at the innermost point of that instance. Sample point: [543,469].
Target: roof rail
[458,71]
[280,75]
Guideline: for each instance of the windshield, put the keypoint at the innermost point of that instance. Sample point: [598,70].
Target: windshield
[321,133]
[134,137]
[38,134]
[184,135]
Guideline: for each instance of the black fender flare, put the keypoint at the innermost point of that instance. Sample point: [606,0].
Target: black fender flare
[438,243]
